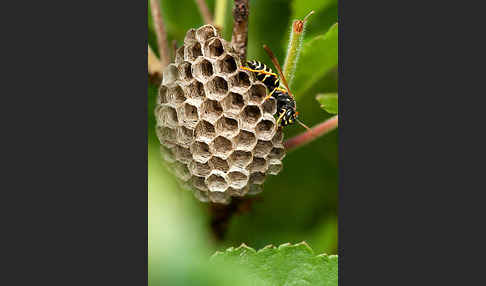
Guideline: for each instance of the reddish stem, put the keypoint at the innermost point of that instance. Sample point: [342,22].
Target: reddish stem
[312,134]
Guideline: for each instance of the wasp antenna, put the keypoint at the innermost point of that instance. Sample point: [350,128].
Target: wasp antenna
[277,66]
[301,123]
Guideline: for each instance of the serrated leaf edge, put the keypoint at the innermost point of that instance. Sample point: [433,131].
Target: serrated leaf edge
[303,244]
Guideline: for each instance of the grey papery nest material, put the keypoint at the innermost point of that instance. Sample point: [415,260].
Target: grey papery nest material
[217,134]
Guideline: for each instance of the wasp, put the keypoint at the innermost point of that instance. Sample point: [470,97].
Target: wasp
[286,107]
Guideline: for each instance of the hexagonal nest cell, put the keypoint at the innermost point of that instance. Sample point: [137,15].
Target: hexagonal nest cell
[198,183]
[245,140]
[185,71]
[221,147]
[190,37]
[176,95]
[240,159]
[170,74]
[200,152]
[240,81]
[220,164]
[162,98]
[202,69]
[192,52]
[166,135]
[258,165]
[217,135]
[205,33]
[185,136]
[214,48]
[211,110]
[257,93]
[263,148]
[216,183]
[238,178]
[227,127]
[182,154]
[257,178]
[250,115]
[270,106]
[234,192]
[216,88]
[199,169]
[190,113]
[265,129]
[233,103]
[205,131]
[167,116]
[274,166]
[195,90]
[277,152]
[226,65]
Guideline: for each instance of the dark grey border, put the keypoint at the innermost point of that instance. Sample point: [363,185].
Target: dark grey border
[407,186]
[83,111]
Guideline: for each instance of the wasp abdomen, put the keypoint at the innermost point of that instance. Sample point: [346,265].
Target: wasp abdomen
[264,74]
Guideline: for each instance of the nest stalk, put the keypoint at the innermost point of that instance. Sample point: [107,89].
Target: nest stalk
[239,38]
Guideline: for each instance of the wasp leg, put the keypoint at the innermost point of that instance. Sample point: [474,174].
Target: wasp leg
[280,119]
[269,95]
[258,71]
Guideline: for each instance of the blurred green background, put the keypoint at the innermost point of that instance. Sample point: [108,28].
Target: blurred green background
[300,204]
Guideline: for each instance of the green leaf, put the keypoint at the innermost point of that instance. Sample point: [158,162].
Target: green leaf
[284,265]
[329,102]
[318,57]
[263,29]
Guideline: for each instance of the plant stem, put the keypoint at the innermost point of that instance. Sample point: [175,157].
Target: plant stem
[220,14]
[294,47]
[161,33]
[154,68]
[312,134]
[206,14]
[239,38]
[220,215]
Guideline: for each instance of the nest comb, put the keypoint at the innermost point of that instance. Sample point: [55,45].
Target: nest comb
[217,134]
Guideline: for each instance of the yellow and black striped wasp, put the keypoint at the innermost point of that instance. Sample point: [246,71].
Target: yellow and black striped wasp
[286,108]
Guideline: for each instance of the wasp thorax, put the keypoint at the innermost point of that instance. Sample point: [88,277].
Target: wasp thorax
[217,134]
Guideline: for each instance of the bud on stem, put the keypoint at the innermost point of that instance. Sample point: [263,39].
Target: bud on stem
[294,47]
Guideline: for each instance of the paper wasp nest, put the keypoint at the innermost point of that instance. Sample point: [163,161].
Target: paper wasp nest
[216,133]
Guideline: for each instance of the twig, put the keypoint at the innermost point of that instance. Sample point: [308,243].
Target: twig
[239,38]
[154,68]
[220,14]
[203,8]
[174,50]
[312,134]
[160,32]
[294,48]
[222,214]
